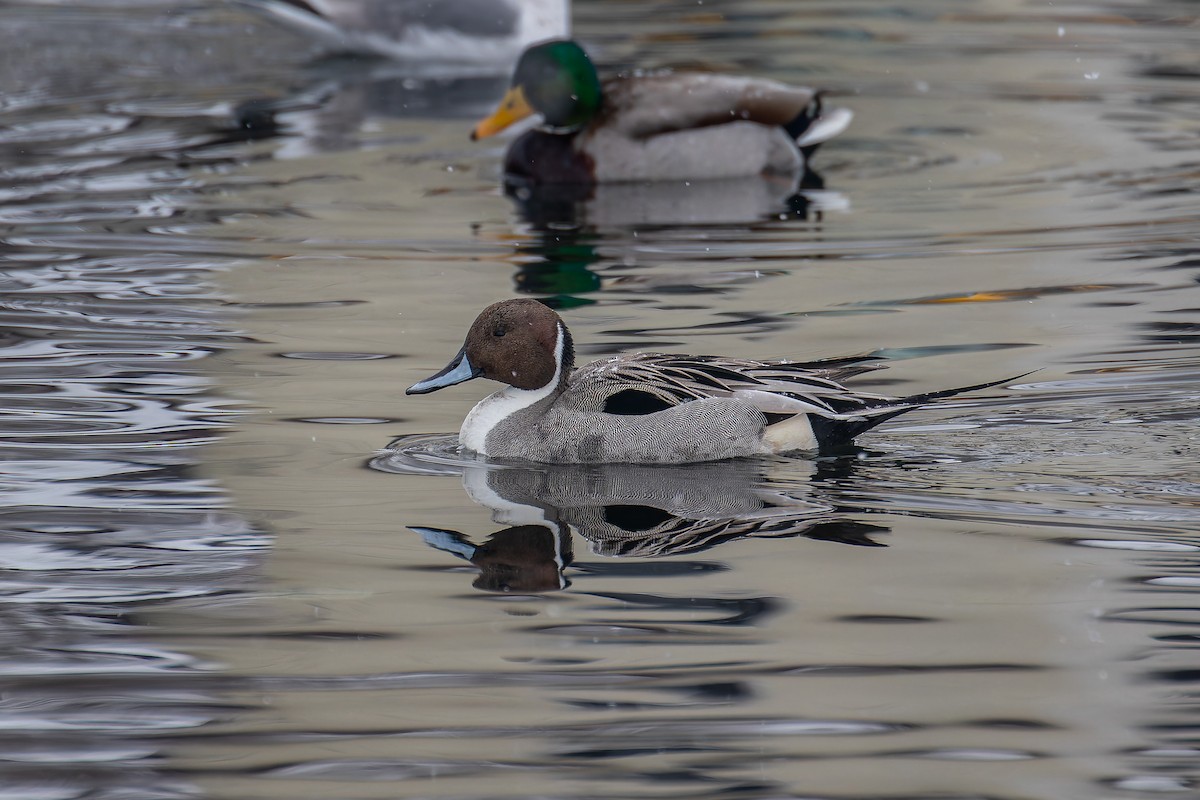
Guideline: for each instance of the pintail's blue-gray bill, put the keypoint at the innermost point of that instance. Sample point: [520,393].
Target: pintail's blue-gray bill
[458,370]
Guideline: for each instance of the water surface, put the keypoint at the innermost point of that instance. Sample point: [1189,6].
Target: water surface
[223,261]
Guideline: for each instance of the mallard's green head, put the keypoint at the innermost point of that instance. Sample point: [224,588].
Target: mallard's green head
[560,83]
[555,79]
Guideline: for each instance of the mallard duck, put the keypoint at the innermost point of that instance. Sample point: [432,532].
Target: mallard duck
[648,408]
[465,32]
[659,126]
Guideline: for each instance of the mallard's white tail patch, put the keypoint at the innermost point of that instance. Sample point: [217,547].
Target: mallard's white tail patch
[827,126]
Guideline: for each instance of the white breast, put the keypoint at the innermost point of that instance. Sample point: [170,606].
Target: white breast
[494,409]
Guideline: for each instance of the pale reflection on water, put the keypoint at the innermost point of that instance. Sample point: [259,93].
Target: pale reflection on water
[221,262]
[624,511]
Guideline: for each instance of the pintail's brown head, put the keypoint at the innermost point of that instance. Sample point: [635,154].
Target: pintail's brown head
[523,343]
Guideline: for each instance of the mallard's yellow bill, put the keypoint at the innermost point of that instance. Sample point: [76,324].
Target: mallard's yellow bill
[513,108]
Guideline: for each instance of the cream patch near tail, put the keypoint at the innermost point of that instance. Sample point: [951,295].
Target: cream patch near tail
[794,433]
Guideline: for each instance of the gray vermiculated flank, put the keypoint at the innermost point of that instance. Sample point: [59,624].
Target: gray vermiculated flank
[573,435]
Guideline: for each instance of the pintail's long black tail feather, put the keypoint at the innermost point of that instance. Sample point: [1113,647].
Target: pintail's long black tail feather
[833,433]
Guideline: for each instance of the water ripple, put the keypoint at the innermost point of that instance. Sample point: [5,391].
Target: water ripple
[1017,191]
[423,454]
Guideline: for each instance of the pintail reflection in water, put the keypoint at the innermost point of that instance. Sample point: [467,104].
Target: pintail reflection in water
[631,511]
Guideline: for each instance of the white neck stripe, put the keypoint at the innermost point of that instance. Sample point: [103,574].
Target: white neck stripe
[494,409]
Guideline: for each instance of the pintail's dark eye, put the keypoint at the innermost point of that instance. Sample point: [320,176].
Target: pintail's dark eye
[498,332]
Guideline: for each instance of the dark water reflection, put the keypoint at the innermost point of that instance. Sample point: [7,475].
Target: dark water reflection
[220,257]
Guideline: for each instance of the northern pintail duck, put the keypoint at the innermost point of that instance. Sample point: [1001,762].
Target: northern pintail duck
[653,126]
[648,408]
[492,32]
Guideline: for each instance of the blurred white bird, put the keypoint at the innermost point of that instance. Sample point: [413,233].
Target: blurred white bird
[481,33]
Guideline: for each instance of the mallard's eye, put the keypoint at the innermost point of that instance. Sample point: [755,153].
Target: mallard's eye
[498,332]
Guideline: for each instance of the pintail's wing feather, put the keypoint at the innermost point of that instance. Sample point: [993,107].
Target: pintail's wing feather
[775,387]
